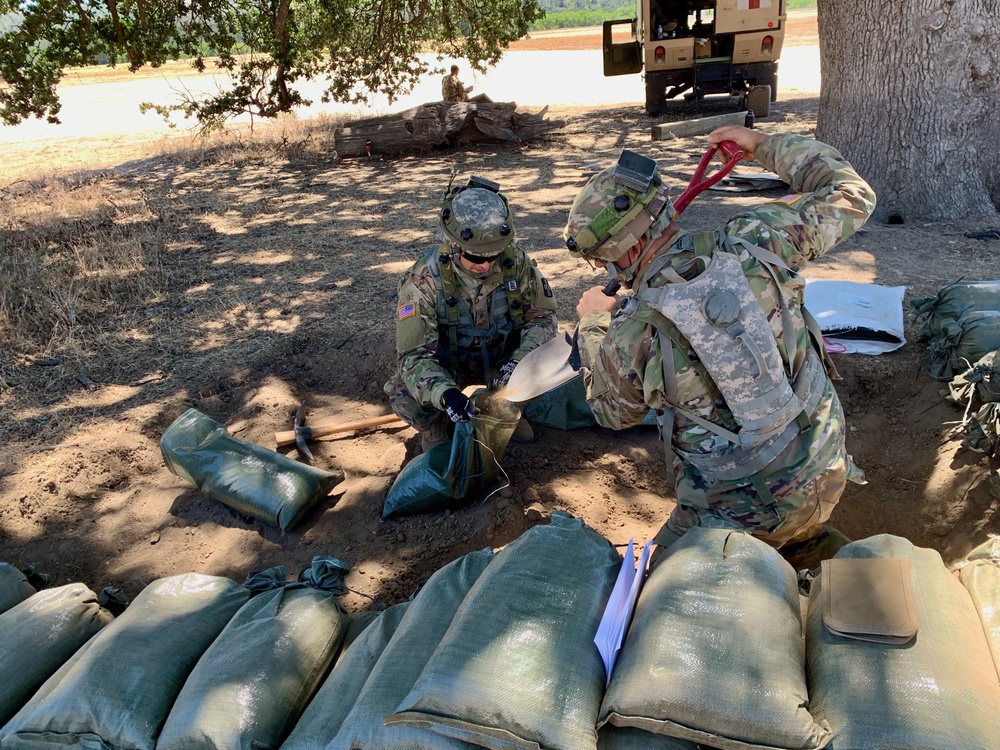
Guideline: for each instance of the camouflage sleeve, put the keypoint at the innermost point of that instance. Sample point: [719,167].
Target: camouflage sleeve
[617,360]
[540,321]
[417,339]
[828,201]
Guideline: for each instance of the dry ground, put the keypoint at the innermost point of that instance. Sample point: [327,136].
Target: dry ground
[242,278]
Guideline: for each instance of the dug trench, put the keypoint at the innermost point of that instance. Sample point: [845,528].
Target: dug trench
[262,277]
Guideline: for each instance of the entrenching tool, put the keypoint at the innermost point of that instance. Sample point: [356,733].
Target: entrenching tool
[556,362]
[300,434]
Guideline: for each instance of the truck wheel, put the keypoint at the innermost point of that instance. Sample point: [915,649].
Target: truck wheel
[759,100]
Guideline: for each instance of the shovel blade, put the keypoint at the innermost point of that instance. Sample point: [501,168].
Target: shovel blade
[542,370]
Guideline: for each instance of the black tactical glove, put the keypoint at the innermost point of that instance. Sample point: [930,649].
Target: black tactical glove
[457,406]
[502,377]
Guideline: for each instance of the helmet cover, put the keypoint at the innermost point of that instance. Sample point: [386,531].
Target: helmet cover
[477,219]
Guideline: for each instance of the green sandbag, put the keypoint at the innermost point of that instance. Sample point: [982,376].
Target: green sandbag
[963,342]
[951,303]
[979,384]
[981,579]
[253,480]
[14,586]
[611,737]
[403,660]
[256,678]
[939,691]
[518,667]
[563,408]
[714,651]
[118,689]
[357,623]
[39,635]
[339,692]
[453,472]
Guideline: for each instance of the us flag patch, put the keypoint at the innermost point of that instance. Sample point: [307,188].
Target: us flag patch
[407,311]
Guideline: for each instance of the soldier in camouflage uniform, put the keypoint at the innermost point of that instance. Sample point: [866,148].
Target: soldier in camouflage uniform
[469,310]
[755,427]
[452,89]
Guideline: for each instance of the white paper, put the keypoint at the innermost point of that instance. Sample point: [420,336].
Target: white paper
[621,606]
[849,307]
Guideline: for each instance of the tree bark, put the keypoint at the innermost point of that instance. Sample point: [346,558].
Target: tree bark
[908,95]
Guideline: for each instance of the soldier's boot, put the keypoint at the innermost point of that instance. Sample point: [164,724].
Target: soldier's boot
[523,433]
[434,435]
[808,554]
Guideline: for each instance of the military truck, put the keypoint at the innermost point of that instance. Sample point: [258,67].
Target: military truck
[700,47]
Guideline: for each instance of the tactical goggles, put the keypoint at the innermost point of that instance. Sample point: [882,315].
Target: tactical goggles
[477,260]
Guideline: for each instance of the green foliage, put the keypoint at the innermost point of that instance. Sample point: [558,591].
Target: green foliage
[360,48]
[569,19]
[797,4]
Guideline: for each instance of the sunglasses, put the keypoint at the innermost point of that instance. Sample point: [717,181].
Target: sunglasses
[478,259]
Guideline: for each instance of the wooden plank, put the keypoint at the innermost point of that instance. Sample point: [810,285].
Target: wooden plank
[699,126]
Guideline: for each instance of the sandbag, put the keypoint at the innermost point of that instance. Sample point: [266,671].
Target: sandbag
[116,691]
[14,586]
[357,623]
[953,302]
[963,342]
[403,659]
[562,408]
[253,480]
[518,667]
[939,691]
[39,635]
[981,578]
[611,737]
[979,384]
[254,681]
[451,473]
[337,695]
[714,651]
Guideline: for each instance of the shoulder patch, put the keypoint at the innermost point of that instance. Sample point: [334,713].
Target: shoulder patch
[789,199]
[546,289]
[407,311]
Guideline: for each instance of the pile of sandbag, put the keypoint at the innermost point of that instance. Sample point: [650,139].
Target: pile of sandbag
[977,391]
[961,324]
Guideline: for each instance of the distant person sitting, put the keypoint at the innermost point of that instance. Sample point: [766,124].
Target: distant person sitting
[452,89]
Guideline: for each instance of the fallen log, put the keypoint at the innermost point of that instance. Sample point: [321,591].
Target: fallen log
[438,124]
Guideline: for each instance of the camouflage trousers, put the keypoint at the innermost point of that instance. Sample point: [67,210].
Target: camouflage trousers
[810,477]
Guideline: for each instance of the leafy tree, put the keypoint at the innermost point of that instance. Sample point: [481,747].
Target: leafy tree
[359,48]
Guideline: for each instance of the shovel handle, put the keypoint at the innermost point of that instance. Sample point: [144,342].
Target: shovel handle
[330,428]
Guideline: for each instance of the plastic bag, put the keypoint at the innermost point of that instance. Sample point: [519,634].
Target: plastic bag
[450,473]
[518,667]
[714,651]
[39,635]
[939,691]
[254,681]
[253,480]
[117,690]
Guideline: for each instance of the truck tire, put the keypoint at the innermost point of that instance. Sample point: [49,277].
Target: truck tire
[759,101]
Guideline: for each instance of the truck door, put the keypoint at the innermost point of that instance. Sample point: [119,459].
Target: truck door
[621,58]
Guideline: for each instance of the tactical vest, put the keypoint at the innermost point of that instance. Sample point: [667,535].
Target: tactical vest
[717,314]
[459,340]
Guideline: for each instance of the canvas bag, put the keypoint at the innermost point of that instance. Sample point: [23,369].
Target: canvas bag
[518,667]
[39,635]
[253,480]
[256,678]
[450,473]
[939,691]
[963,342]
[14,586]
[335,698]
[405,657]
[698,662]
[952,302]
[116,691]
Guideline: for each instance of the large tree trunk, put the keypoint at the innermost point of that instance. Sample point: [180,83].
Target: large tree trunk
[909,95]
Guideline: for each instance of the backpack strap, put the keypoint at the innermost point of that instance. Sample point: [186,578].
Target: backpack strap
[511,266]
[448,298]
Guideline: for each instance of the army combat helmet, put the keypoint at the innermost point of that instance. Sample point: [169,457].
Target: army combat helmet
[616,208]
[477,218]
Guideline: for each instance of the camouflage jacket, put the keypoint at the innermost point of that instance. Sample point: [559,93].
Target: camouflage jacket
[453,90]
[422,319]
[624,374]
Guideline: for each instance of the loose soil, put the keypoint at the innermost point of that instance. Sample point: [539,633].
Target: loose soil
[265,277]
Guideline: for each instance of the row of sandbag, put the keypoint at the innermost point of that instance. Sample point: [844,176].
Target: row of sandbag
[497,651]
[194,661]
[961,324]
